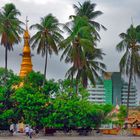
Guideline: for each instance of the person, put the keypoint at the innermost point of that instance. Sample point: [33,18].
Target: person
[30,132]
[36,130]
[12,128]
[27,130]
[15,128]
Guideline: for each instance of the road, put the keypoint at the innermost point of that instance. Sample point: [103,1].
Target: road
[71,138]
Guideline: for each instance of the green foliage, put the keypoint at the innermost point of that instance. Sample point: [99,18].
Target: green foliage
[69,110]
[99,114]
[7,114]
[119,118]
[50,87]
[87,8]
[11,78]
[55,104]
[122,114]
[7,108]
[69,87]
[32,98]
[35,79]
[32,105]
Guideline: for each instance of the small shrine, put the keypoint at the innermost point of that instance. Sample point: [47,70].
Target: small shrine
[133,120]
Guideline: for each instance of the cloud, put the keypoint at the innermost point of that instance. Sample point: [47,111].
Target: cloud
[40,2]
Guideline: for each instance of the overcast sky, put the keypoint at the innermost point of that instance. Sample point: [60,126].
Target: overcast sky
[117,17]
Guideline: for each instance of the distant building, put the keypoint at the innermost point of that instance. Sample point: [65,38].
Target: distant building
[97,94]
[113,90]
[133,95]
[108,88]
[116,87]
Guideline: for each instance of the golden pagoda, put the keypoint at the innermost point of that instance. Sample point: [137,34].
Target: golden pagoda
[26,65]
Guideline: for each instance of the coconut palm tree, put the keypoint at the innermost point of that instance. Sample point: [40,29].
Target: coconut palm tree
[10,28]
[79,50]
[130,61]
[81,42]
[47,37]
[88,9]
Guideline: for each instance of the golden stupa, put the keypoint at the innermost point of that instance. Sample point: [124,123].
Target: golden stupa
[26,65]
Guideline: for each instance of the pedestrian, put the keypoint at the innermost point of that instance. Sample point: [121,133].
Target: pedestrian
[12,129]
[36,130]
[30,132]
[27,130]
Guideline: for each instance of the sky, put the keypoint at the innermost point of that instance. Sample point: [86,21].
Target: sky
[117,17]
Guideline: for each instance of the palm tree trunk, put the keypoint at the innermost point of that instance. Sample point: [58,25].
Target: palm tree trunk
[45,69]
[6,57]
[128,96]
[72,81]
[77,86]
[129,86]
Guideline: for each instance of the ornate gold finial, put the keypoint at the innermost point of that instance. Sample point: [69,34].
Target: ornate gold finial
[26,34]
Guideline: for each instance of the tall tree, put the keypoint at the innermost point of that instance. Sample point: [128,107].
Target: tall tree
[79,50]
[47,37]
[81,42]
[10,28]
[130,61]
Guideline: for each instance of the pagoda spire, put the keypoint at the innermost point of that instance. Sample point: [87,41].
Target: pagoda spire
[27,22]
[26,65]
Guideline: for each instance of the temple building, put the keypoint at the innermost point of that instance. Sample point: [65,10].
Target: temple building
[26,65]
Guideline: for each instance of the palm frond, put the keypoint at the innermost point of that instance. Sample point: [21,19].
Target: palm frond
[121,46]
